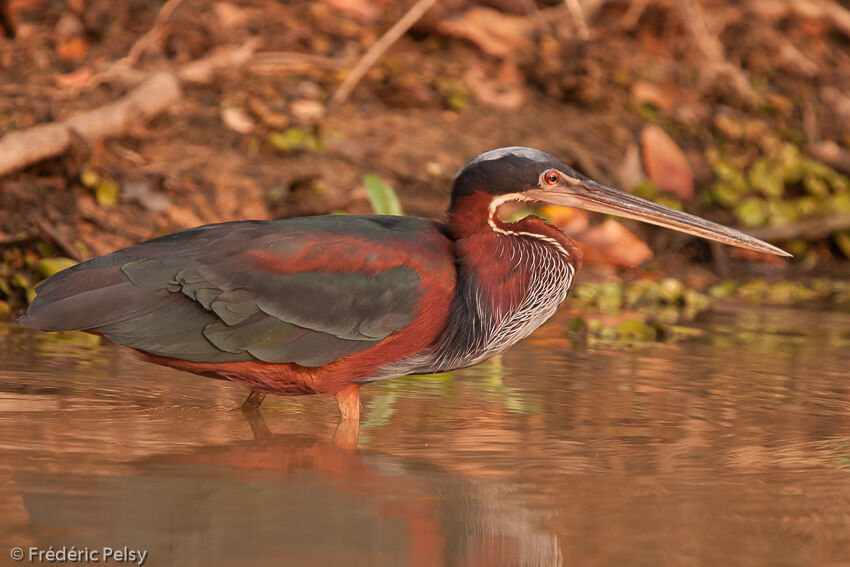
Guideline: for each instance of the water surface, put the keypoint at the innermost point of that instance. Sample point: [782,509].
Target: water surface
[729,448]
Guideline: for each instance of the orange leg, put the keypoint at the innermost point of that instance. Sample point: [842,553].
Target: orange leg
[348,400]
[348,430]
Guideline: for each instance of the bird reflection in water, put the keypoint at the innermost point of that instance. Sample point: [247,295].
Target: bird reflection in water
[371,508]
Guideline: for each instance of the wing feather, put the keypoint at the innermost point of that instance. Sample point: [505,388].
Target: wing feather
[191,295]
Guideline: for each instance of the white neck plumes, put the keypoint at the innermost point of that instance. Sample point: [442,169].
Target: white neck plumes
[494,223]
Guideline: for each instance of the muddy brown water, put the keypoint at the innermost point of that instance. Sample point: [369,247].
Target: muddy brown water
[729,448]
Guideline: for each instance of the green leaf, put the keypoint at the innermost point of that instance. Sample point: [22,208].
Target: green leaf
[726,194]
[293,139]
[671,290]
[842,239]
[382,196]
[815,185]
[49,266]
[723,289]
[89,179]
[20,281]
[752,212]
[106,193]
[766,177]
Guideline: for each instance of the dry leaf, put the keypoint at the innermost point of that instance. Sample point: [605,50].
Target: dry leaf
[665,163]
[630,172]
[493,92]
[141,192]
[182,217]
[612,243]
[572,221]
[73,49]
[306,110]
[648,93]
[74,79]
[494,33]
[267,115]
[229,15]
[363,10]
[237,120]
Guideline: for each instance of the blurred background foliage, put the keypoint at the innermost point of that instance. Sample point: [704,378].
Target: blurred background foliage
[737,111]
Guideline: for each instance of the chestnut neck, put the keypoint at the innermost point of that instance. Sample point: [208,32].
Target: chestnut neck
[475,217]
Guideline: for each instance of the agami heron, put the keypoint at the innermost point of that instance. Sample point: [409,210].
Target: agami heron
[326,304]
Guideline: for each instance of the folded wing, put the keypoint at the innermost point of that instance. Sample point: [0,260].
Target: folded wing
[307,291]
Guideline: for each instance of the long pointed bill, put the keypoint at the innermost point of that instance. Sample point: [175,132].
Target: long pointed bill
[593,196]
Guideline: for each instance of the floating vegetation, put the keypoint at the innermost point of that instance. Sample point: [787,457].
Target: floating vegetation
[646,310]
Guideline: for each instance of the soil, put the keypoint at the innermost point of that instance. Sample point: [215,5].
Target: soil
[433,101]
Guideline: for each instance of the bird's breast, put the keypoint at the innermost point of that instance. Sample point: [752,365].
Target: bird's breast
[499,302]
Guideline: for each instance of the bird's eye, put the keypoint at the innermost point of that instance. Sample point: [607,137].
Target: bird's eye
[551,177]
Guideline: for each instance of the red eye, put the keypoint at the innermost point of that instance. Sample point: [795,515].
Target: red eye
[551,177]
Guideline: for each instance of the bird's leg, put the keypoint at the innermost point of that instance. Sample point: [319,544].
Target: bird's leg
[251,411]
[348,430]
[348,400]
[254,399]
[258,425]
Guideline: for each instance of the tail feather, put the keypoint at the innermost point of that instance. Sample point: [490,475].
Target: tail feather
[92,308]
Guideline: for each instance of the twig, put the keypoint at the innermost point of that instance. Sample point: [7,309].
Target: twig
[56,237]
[152,36]
[832,155]
[7,21]
[632,16]
[810,229]
[577,15]
[123,68]
[156,93]
[714,52]
[374,53]
[826,10]
[204,70]
[276,62]
[9,239]
[29,146]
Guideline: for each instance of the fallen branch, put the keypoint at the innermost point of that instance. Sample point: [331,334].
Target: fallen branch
[29,146]
[204,70]
[810,229]
[153,96]
[577,15]
[374,53]
[152,36]
[57,238]
[278,62]
[123,68]
[828,11]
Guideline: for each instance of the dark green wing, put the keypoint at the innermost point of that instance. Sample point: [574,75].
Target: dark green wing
[309,291]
